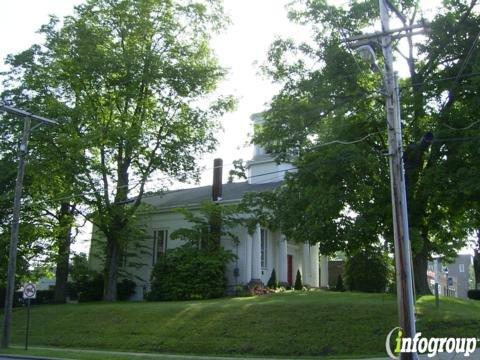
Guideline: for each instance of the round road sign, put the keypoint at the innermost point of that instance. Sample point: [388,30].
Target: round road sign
[29,291]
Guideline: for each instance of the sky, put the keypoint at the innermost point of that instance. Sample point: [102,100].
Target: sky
[241,48]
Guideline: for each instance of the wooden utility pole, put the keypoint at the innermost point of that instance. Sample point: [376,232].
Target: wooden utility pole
[12,256]
[403,253]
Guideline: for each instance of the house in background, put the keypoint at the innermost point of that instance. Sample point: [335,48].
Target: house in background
[257,254]
[454,279]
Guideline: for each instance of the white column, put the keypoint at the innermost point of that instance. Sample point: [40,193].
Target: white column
[323,271]
[256,250]
[314,265]
[282,261]
[248,259]
[306,264]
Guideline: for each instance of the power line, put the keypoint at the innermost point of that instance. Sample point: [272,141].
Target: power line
[464,128]
[467,59]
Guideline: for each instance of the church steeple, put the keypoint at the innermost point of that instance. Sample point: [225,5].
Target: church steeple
[263,168]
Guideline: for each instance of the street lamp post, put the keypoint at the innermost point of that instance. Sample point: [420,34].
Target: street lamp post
[12,256]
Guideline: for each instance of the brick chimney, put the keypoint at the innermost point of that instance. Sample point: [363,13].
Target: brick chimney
[217,179]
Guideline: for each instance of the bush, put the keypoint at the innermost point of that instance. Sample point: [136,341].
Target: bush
[339,286]
[187,273]
[90,289]
[272,282]
[125,289]
[474,294]
[298,281]
[367,271]
[17,298]
[44,297]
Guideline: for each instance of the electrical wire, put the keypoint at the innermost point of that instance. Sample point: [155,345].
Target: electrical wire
[464,128]
[467,59]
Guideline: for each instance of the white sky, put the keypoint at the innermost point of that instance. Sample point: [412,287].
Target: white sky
[254,26]
[240,48]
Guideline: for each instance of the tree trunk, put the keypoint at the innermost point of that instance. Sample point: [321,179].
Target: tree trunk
[111,268]
[118,224]
[420,267]
[63,255]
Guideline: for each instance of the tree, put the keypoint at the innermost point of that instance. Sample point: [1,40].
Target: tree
[367,271]
[34,249]
[272,281]
[197,268]
[339,285]
[133,79]
[298,281]
[329,120]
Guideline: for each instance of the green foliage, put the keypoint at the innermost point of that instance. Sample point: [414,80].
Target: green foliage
[188,272]
[79,269]
[89,289]
[196,270]
[238,170]
[201,233]
[272,282]
[339,285]
[35,230]
[368,271]
[329,120]
[125,289]
[298,281]
[474,294]
[133,79]
[262,209]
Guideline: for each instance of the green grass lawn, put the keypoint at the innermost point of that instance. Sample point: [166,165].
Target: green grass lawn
[291,324]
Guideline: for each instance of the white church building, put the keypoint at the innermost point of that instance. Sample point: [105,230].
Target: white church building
[257,254]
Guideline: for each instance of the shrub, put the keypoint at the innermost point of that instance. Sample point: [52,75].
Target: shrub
[367,271]
[125,289]
[474,294]
[339,286]
[90,289]
[272,282]
[44,297]
[17,298]
[298,281]
[187,273]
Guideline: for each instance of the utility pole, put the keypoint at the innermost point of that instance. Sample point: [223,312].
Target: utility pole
[437,277]
[12,256]
[403,254]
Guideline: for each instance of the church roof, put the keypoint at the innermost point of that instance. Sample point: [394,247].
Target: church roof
[193,196]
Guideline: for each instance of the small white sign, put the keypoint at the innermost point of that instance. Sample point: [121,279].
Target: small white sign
[29,291]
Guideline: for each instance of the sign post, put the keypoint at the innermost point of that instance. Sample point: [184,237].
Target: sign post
[29,293]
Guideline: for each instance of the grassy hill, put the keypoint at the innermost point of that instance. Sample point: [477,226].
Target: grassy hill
[291,324]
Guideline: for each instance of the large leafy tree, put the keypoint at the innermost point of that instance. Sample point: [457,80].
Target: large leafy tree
[329,119]
[131,80]
[34,248]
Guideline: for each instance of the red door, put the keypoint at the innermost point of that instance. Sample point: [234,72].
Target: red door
[290,269]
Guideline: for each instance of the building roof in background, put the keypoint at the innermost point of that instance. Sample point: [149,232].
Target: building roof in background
[192,196]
